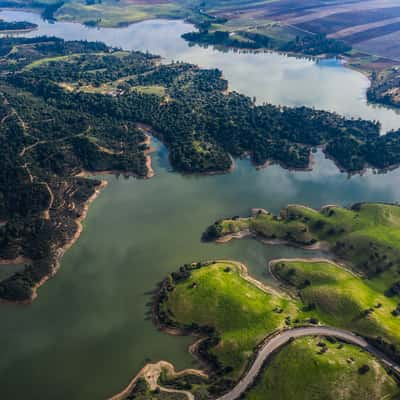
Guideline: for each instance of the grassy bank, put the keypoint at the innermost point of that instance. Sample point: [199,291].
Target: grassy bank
[367,236]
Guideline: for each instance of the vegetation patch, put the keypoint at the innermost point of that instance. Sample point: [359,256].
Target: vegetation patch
[16,26]
[217,301]
[366,235]
[340,298]
[321,369]
[142,391]
[385,87]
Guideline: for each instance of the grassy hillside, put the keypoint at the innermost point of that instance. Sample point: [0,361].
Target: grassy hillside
[367,235]
[219,301]
[339,298]
[299,371]
[218,296]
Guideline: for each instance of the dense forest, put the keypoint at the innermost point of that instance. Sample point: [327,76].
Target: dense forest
[16,26]
[72,107]
[312,45]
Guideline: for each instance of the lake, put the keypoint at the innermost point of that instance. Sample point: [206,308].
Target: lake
[89,331]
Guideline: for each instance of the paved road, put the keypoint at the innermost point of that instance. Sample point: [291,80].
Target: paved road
[282,338]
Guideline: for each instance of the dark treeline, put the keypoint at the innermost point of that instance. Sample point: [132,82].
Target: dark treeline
[312,45]
[316,44]
[16,25]
[76,111]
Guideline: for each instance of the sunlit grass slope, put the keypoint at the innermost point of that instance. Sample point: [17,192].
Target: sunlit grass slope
[315,369]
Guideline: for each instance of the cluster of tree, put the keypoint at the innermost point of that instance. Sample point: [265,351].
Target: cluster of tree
[49,134]
[50,9]
[384,87]
[316,44]
[213,232]
[16,26]
[244,40]
[394,290]
[390,349]
[308,44]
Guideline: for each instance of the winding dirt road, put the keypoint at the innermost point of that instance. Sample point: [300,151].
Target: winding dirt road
[284,337]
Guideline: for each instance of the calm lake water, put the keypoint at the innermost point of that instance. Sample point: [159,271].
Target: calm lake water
[89,331]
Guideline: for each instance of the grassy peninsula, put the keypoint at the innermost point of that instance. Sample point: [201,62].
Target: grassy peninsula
[219,301]
[365,235]
[234,313]
[362,294]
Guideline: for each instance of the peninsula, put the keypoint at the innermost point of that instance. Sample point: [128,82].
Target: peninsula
[217,300]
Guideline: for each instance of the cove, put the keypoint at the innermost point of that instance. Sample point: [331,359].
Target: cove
[89,330]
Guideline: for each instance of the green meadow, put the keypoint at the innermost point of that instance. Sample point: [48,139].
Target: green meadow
[340,298]
[366,236]
[241,313]
[314,368]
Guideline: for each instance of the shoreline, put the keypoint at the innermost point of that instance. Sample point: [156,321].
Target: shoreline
[16,31]
[270,163]
[62,250]
[59,253]
[199,339]
[320,245]
[15,261]
[151,373]
[311,260]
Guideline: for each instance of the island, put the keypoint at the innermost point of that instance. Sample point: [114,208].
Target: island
[69,109]
[15,27]
[251,337]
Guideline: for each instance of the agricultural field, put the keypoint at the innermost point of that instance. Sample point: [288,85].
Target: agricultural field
[322,369]
[107,13]
[369,25]
[117,13]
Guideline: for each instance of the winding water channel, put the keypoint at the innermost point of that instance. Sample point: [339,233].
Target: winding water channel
[88,332]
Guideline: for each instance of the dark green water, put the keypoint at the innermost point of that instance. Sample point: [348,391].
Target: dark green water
[88,332]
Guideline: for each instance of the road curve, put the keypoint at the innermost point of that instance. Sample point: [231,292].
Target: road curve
[284,337]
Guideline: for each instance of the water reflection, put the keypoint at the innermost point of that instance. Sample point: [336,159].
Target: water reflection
[271,77]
